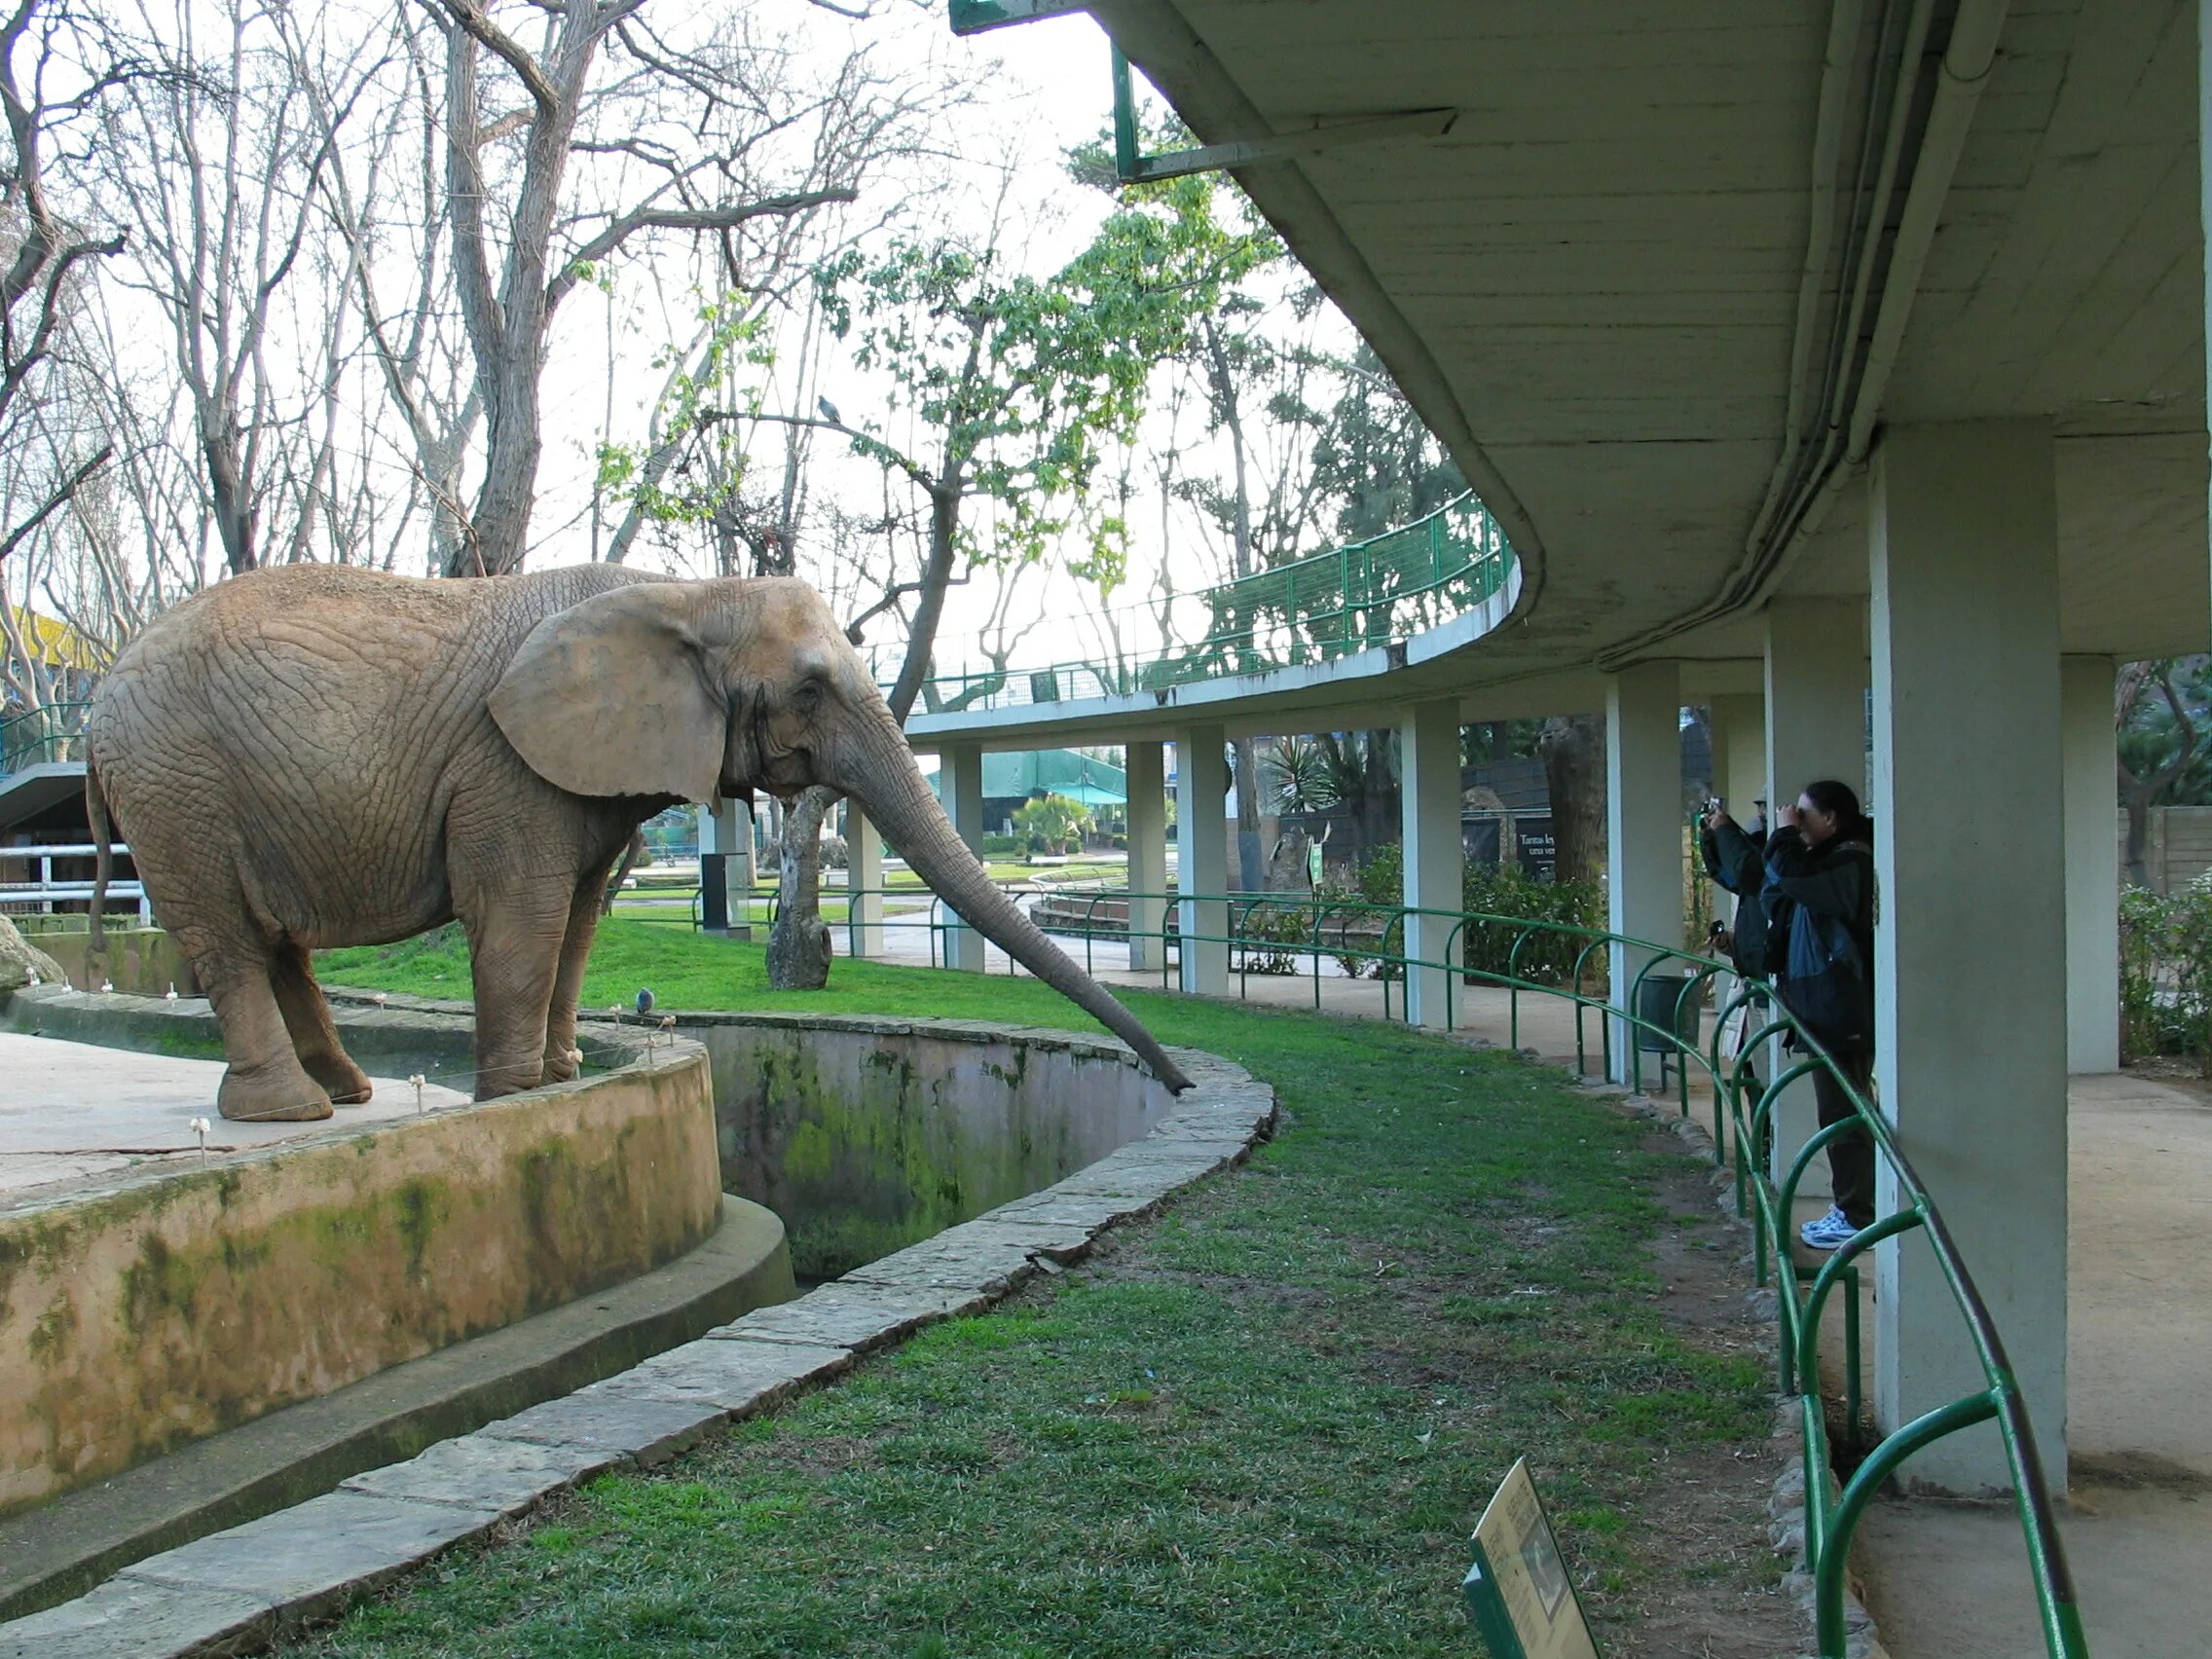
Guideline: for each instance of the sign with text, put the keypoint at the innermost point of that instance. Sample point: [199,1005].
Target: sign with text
[1535,847]
[1518,1590]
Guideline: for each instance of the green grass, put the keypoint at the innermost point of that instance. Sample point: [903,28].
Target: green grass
[1262,1423]
[684,969]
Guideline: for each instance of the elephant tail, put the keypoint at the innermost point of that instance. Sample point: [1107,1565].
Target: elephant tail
[103,866]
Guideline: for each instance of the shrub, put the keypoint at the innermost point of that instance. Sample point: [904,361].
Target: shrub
[2166,973]
[1271,937]
[1380,881]
[1002,846]
[1054,820]
[1547,958]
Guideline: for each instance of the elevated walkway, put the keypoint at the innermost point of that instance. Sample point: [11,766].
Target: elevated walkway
[1313,638]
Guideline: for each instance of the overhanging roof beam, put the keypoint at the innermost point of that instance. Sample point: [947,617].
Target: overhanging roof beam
[1319,134]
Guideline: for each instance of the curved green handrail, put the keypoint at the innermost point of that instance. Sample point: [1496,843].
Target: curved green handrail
[36,736]
[1355,598]
[1741,1127]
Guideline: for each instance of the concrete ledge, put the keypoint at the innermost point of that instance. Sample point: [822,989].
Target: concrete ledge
[867,1133]
[60,1548]
[235,1591]
[159,1304]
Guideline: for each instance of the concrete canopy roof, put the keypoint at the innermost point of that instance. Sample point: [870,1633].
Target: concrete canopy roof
[1676,261]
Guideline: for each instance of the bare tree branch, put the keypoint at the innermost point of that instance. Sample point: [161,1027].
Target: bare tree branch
[676,219]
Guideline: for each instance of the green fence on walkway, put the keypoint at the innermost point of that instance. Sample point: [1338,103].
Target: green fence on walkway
[1358,598]
[38,736]
[1554,959]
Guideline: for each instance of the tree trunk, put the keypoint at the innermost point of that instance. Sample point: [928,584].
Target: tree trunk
[1251,874]
[798,945]
[2138,803]
[228,497]
[1382,821]
[1574,750]
[929,604]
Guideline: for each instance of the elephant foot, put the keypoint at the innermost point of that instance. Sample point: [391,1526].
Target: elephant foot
[346,1083]
[563,1065]
[494,1081]
[275,1095]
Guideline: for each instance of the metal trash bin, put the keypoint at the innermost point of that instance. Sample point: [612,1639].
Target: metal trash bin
[1660,1007]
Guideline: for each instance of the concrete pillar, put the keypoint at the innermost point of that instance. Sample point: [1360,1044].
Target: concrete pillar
[1738,728]
[1816,727]
[1739,752]
[725,869]
[1969,960]
[2089,748]
[960,780]
[1645,827]
[864,882]
[1434,858]
[1147,783]
[1202,857]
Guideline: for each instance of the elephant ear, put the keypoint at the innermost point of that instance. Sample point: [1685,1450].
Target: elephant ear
[611,697]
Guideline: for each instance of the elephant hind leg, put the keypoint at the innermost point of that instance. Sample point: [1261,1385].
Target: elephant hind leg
[314,1037]
[264,1082]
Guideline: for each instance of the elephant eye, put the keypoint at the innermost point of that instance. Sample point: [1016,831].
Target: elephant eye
[806,698]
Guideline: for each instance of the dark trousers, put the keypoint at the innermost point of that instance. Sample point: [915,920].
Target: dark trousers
[1850,1155]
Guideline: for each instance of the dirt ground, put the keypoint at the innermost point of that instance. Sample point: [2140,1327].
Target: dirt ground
[1712,1502]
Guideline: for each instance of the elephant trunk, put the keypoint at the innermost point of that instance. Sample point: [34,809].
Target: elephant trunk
[891,789]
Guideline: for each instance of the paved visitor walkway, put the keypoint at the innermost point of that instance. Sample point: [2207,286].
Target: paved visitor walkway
[72,1113]
[1949,1582]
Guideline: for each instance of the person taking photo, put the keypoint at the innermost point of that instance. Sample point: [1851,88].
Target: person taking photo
[1820,859]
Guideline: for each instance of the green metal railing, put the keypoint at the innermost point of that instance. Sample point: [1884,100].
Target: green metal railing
[1358,598]
[37,736]
[1556,959]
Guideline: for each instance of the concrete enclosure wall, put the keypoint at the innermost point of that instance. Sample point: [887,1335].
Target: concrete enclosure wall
[140,961]
[868,1135]
[165,1306]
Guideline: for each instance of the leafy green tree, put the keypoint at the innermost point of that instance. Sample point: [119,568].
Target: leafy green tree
[2161,708]
[1373,456]
[1054,820]
[1011,384]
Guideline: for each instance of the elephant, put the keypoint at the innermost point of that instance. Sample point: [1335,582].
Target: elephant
[313,756]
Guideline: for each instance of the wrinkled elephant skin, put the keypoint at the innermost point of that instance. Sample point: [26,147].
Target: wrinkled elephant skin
[317,755]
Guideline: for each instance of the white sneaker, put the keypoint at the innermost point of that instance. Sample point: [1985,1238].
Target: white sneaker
[1830,1233]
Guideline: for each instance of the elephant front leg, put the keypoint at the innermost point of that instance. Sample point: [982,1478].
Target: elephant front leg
[516,948]
[563,1060]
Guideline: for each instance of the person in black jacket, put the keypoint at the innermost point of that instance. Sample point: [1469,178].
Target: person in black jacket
[1735,858]
[1820,859]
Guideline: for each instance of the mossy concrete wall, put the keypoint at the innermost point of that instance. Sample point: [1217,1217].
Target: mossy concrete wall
[168,1305]
[140,961]
[866,1136]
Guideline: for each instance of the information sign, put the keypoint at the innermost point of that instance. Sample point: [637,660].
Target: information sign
[1518,1590]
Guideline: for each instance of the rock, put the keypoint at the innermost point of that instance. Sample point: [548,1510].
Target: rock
[21,962]
[313,1559]
[846,1315]
[125,1619]
[599,1418]
[481,1473]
